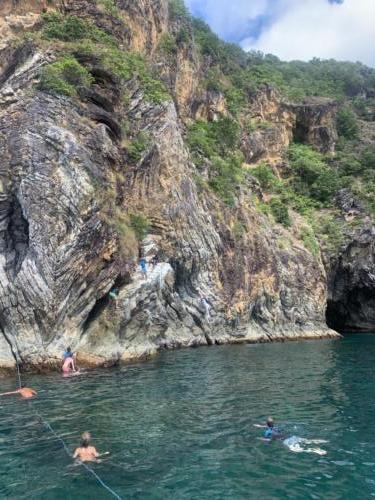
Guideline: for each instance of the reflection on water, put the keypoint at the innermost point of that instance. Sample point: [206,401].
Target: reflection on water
[181,426]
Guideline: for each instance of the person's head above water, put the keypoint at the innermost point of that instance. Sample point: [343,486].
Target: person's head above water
[86,438]
[270,422]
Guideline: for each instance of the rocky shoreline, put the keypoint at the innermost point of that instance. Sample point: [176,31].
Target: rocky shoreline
[90,361]
[94,180]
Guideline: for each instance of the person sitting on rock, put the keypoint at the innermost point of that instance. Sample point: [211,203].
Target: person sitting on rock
[85,452]
[24,392]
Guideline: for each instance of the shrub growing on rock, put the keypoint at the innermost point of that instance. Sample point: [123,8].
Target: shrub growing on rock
[280,212]
[64,76]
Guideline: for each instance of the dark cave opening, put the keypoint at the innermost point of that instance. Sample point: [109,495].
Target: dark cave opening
[17,237]
[103,302]
[352,311]
[300,133]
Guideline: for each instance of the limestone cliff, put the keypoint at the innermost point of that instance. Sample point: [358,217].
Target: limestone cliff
[72,181]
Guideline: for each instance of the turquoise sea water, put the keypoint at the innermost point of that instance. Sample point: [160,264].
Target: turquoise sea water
[181,426]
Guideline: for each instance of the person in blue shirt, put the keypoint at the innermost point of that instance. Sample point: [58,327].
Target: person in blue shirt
[68,353]
[271,431]
[143,266]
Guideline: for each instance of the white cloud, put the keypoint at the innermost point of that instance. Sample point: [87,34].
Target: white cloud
[316,28]
[228,17]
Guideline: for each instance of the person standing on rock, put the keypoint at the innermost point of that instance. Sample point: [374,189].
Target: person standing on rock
[205,306]
[143,266]
[154,261]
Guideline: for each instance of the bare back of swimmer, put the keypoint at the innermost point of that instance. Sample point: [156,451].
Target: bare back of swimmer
[68,365]
[86,452]
[24,392]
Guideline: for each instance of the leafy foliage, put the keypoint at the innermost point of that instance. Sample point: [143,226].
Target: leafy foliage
[347,125]
[309,240]
[311,175]
[280,212]
[73,29]
[64,76]
[127,65]
[177,10]
[109,7]
[168,44]
[217,142]
[140,225]
[137,147]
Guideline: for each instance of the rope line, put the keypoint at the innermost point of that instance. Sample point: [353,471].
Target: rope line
[19,375]
[49,427]
[89,469]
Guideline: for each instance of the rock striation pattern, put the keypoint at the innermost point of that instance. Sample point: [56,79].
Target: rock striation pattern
[66,182]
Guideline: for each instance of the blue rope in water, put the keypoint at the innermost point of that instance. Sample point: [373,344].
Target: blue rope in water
[49,427]
[89,469]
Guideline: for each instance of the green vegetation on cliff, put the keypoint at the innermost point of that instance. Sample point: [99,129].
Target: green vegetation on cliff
[79,39]
[308,181]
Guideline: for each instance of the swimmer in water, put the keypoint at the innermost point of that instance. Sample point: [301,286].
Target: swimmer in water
[24,392]
[271,431]
[85,452]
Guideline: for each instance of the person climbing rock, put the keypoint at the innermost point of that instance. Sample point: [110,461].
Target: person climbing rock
[143,266]
[113,295]
[205,306]
[85,452]
[154,261]
[24,392]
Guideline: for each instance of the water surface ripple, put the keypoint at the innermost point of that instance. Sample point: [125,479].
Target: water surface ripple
[181,426]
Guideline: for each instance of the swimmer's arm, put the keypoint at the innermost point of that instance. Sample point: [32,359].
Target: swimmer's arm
[260,426]
[9,393]
[103,454]
[76,453]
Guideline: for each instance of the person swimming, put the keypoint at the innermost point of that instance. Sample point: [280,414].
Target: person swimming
[85,452]
[271,431]
[24,392]
[293,443]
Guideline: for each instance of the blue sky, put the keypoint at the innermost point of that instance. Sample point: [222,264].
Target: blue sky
[295,29]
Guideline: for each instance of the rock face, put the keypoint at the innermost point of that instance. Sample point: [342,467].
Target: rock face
[351,300]
[66,184]
[275,124]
